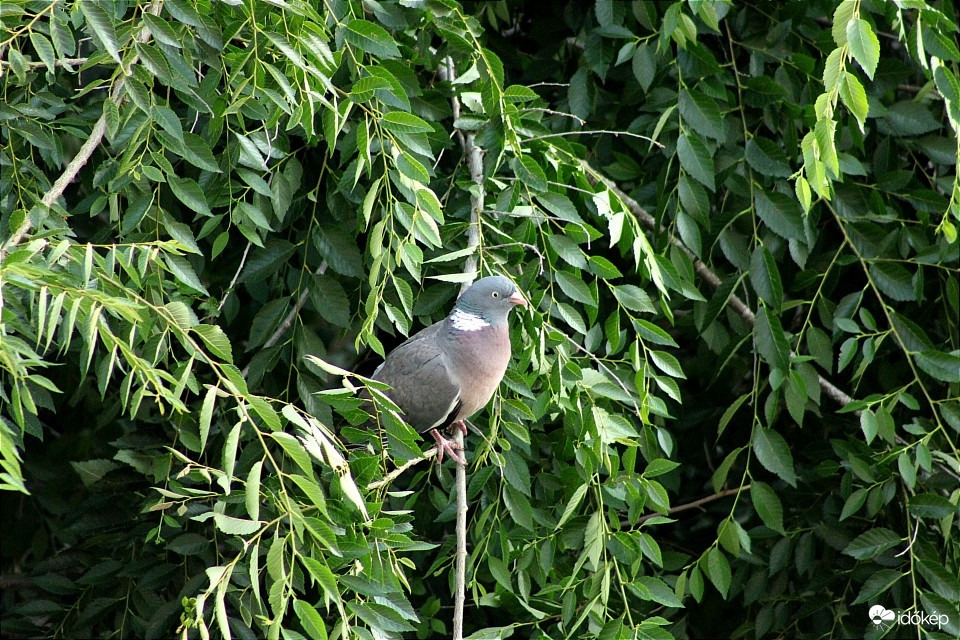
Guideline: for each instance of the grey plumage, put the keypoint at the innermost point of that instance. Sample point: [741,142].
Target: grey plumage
[450,370]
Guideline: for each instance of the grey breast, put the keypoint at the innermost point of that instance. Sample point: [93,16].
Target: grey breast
[478,359]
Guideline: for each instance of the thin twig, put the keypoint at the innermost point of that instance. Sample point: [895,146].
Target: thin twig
[60,62]
[393,475]
[693,505]
[615,134]
[243,261]
[291,316]
[83,155]
[599,363]
[703,271]
[475,167]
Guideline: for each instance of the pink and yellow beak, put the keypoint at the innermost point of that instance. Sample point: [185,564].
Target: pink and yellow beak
[517,298]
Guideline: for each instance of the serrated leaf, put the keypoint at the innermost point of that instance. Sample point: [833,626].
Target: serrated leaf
[770,341]
[768,506]
[765,157]
[102,27]
[765,277]
[872,543]
[773,452]
[701,113]
[44,49]
[864,45]
[235,526]
[530,173]
[189,193]
[402,122]
[696,160]
[718,570]
[942,366]
[371,38]
[855,98]
[781,213]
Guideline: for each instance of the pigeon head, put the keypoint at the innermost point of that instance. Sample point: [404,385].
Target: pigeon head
[487,302]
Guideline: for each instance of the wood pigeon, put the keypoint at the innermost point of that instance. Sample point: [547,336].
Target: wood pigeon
[447,372]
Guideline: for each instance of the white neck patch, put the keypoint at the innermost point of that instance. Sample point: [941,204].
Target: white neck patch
[463,321]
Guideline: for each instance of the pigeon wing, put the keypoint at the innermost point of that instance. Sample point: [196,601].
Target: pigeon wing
[421,384]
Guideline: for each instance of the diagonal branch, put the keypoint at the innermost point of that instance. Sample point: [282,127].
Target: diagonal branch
[83,154]
[701,268]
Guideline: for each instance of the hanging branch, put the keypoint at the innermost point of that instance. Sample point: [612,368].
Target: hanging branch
[701,268]
[86,150]
[475,167]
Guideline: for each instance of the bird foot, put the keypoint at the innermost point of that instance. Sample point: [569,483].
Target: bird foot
[461,425]
[447,446]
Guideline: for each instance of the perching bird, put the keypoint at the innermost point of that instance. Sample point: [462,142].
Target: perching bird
[447,372]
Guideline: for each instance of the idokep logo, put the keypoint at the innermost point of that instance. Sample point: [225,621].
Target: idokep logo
[881,615]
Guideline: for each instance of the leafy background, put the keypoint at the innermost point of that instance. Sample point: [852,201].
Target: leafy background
[733,410]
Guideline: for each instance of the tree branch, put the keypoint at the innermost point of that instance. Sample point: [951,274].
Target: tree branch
[288,321]
[692,505]
[393,475]
[831,390]
[475,167]
[83,154]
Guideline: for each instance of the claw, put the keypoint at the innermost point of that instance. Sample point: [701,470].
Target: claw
[462,426]
[448,446]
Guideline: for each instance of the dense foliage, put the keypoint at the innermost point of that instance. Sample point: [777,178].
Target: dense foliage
[733,409]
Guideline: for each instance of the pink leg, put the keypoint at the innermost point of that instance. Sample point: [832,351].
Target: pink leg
[448,446]
[462,426]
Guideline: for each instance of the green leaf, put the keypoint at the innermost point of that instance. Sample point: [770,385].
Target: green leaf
[44,49]
[765,277]
[942,366]
[402,122]
[855,98]
[530,173]
[644,65]
[864,45]
[773,452]
[575,288]
[656,590]
[572,505]
[696,159]
[718,570]
[894,280]
[931,505]
[781,213]
[853,503]
[869,425]
[604,268]
[765,157]
[216,340]
[235,526]
[634,298]
[768,506]
[872,543]
[183,271]
[102,27]
[228,457]
[841,18]
[189,193]
[371,38]
[877,584]
[252,490]
[701,113]
[770,341]
[667,363]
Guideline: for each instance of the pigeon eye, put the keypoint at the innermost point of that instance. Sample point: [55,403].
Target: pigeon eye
[495,294]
